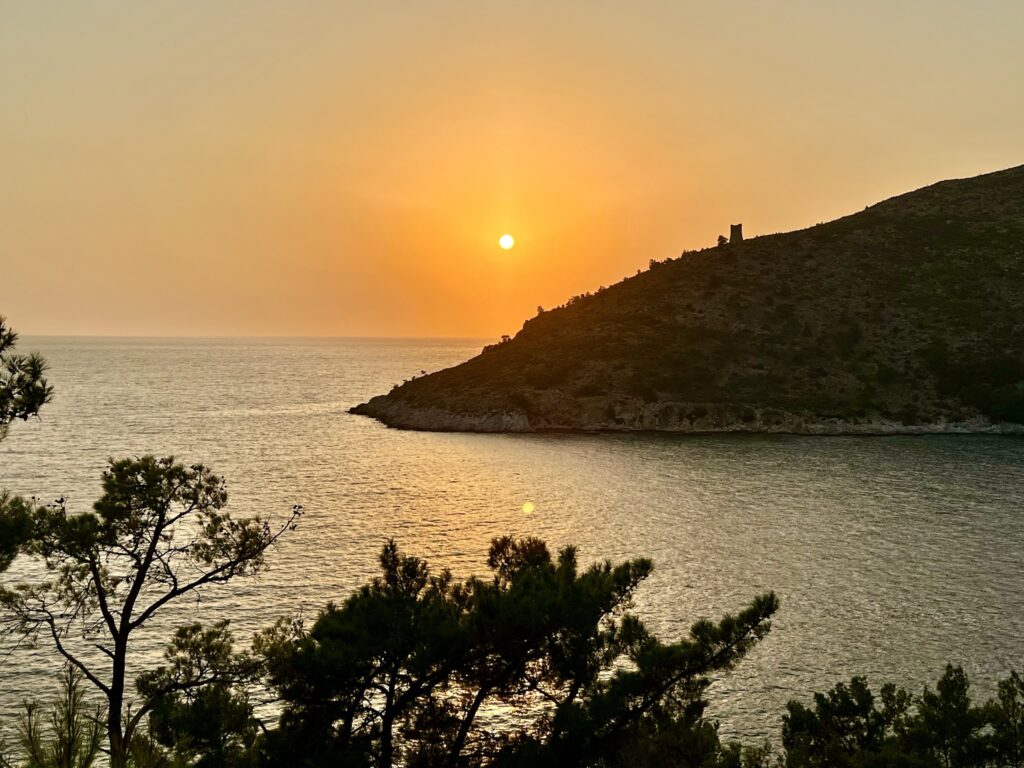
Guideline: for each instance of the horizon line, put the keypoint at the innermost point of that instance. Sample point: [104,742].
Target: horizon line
[326,337]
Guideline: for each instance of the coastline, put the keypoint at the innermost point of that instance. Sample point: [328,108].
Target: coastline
[665,418]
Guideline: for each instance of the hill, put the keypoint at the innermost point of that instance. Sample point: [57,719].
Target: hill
[905,317]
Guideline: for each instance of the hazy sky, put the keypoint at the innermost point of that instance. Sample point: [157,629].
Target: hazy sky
[343,168]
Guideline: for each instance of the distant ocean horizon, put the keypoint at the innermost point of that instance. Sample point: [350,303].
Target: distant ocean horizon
[26,338]
[891,555]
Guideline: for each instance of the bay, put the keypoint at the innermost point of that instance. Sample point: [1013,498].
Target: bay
[891,555]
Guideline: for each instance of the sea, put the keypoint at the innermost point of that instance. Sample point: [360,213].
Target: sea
[891,555]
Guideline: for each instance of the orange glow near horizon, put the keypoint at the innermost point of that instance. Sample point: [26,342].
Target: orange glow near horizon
[342,169]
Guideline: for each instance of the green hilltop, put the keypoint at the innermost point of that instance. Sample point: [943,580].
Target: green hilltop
[905,317]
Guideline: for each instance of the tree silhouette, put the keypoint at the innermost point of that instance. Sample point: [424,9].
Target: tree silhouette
[23,392]
[69,737]
[847,727]
[23,386]
[402,671]
[198,707]
[159,532]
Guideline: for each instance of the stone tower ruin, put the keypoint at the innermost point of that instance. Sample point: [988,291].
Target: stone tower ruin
[735,233]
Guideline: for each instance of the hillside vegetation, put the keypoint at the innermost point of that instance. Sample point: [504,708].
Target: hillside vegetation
[907,316]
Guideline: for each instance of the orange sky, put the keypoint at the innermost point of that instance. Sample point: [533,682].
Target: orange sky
[330,168]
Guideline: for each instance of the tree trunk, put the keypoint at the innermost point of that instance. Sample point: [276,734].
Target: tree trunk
[467,723]
[115,699]
[387,722]
[387,749]
[118,752]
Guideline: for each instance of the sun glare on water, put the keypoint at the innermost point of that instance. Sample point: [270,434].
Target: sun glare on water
[506,241]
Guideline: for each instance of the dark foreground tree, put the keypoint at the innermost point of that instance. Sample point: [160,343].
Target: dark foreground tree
[15,526]
[847,727]
[159,532]
[199,710]
[414,668]
[1006,716]
[948,727]
[23,386]
[66,734]
[23,392]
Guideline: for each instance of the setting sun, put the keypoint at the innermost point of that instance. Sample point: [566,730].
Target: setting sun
[506,241]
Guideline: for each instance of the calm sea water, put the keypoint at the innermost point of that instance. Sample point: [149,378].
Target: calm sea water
[891,555]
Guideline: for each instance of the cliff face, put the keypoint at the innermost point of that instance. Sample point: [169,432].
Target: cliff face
[905,317]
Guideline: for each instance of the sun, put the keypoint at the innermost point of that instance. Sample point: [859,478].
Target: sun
[506,241]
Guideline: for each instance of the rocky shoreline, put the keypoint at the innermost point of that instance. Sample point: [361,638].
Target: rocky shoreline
[681,418]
